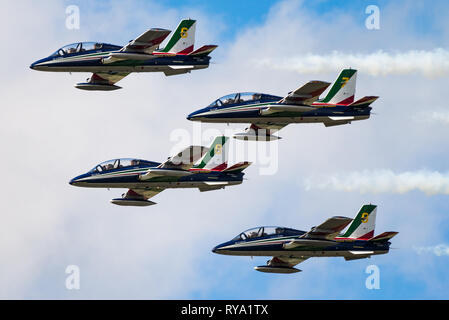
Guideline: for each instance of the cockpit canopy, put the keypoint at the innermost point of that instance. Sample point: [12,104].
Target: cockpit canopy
[121,163]
[243,98]
[83,47]
[267,231]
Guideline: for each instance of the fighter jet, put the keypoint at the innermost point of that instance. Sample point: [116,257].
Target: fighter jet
[194,167]
[111,63]
[288,247]
[268,113]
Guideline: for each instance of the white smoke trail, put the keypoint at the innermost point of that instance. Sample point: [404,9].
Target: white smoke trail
[382,181]
[438,250]
[438,116]
[434,63]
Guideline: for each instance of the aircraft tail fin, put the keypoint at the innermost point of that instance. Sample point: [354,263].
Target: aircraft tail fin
[343,89]
[182,39]
[363,102]
[362,227]
[216,158]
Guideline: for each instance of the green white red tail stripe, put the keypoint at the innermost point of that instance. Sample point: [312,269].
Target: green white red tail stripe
[182,39]
[343,89]
[362,227]
[216,158]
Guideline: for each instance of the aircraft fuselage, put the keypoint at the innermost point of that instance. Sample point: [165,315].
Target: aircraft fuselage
[275,246]
[131,177]
[95,62]
[262,114]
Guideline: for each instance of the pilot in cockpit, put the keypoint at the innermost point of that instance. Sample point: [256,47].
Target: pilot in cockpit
[253,234]
[256,96]
[229,101]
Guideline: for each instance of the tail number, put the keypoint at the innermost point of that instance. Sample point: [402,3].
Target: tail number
[184,33]
[365,217]
[218,149]
[345,79]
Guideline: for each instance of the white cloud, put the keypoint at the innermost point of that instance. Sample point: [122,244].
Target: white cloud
[438,116]
[52,132]
[438,250]
[383,181]
[430,63]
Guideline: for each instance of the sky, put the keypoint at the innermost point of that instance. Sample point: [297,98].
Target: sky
[52,132]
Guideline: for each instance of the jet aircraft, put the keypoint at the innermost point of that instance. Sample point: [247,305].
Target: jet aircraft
[111,63]
[288,247]
[268,113]
[194,167]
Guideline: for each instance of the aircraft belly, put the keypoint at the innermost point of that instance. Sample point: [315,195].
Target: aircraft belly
[276,120]
[295,253]
[113,69]
[159,184]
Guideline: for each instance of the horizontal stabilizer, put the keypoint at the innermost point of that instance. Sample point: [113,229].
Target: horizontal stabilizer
[363,102]
[385,236]
[204,50]
[238,167]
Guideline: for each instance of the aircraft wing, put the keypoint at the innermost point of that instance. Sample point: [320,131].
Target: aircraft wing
[328,229]
[307,94]
[282,264]
[102,81]
[148,193]
[137,197]
[260,131]
[147,42]
[269,127]
[186,158]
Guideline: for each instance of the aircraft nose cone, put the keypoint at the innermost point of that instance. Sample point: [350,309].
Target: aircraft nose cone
[76,181]
[32,66]
[194,115]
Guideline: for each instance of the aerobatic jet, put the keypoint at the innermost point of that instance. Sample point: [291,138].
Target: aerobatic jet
[288,247]
[111,63]
[194,167]
[268,113]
